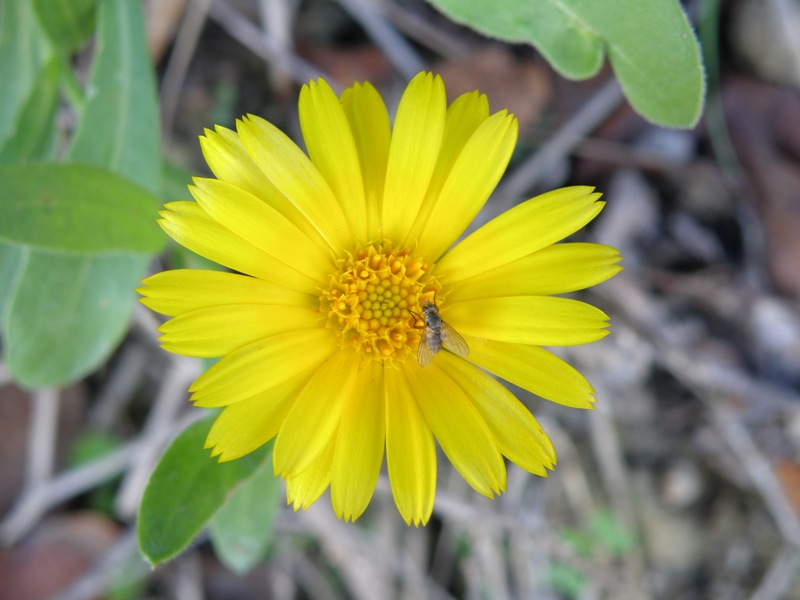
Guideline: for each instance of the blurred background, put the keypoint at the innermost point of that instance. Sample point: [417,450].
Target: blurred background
[684,483]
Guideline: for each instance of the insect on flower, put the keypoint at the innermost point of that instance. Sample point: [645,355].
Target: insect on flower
[438,333]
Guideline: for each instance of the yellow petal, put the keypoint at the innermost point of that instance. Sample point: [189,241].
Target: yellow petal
[229,161]
[459,428]
[534,369]
[293,173]
[219,330]
[416,139]
[316,414]
[524,229]
[359,445]
[556,269]
[410,451]
[472,178]
[184,290]
[305,488]
[330,144]
[463,117]
[247,425]
[189,225]
[369,122]
[517,433]
[536,320]
[261,225]
[261,365]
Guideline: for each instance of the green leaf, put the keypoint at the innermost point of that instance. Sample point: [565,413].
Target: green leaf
[580,541]
[611,533]
[32,134]
[12,265]
[242,529]
[67,23]
[119,126]
[565,580]
[90,446]
[650,45]
[76,208]
[65,314]
[20,59]
[175,181]
[185,491]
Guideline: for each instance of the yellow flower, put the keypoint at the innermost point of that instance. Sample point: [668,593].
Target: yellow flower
[337,253]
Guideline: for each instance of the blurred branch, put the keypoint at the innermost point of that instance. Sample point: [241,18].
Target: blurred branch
[780,576]
[361,569]
[100,577]
[35,502]
[711,382]
[451,47]
[252,38]
[277,19]
[398,50]
[165,420]
[526,175]
[651,319]
[5,376]
[42,437]
[168,404]
[760,472]
[119,387]
[175,75]
[785,14]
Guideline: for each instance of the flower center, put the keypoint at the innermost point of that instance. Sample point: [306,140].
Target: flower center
[371,298]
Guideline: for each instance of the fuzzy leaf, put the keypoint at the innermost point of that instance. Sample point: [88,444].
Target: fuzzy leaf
[77,209]
[119,126]
[242,529]
[649,43]
[185,491]
[21,54]
[66,313]
[67,23]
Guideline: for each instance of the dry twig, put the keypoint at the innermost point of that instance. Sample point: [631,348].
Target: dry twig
[557,147]
[175,75]
[252,38]
[399,52]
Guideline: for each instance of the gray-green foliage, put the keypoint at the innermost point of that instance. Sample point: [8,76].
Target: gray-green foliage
[651,47]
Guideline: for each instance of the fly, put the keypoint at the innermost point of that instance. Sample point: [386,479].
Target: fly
[437,334]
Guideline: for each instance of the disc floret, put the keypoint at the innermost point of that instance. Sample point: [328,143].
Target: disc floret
[372,298]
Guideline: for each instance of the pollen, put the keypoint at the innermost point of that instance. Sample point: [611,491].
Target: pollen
[374,300]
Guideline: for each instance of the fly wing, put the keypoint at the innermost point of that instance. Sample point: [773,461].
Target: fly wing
[426,351]
[453,341]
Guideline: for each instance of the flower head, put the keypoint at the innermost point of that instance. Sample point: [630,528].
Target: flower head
[352,325]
